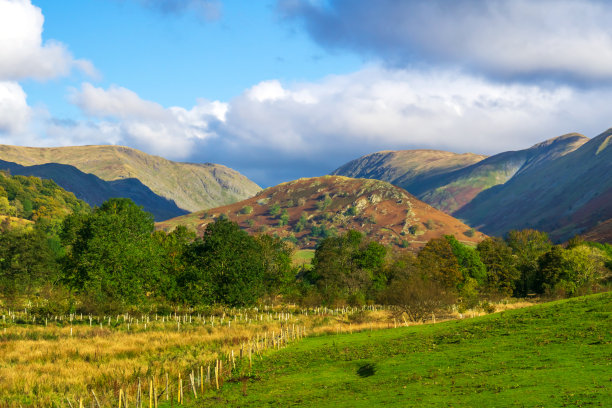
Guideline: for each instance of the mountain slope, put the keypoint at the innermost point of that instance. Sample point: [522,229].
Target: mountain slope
[456,179]
[95,191]
[406,167]
[565,196]
[192,186]
[602,232]
[306,210]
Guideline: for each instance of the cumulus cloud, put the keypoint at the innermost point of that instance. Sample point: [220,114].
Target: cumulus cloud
[207,10]
[378,108]
[570,39]
[129,119]
[14,110]
[22,51]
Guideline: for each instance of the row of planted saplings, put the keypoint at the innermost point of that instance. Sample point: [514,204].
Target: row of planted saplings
[240,315]
[211,376]
[144,321]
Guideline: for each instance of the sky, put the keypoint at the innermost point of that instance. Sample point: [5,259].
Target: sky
[282,89]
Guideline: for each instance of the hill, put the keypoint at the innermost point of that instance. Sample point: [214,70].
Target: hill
[554,354]
[191,186]
[305,210]
[95,191]
[24,199]
[565,196]
[602,232]
[449,181]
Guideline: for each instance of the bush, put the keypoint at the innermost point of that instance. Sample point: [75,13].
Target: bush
[429,224]
[470,233]
[274,210]
[246,209]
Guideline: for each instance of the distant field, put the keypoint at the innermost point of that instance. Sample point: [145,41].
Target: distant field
[303,256]
[556,354]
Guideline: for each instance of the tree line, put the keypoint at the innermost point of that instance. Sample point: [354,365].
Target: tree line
[111,259]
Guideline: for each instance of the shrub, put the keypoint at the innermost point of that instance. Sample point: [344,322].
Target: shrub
[246,209]
[429,224]
[274,210]
[470,233]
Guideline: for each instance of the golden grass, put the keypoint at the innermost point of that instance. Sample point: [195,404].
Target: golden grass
[43,365]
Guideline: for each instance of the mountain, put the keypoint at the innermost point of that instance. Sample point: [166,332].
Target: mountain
[412,170]
[449,181]
[191,186]
[95,191]
[305,210]
[565,196]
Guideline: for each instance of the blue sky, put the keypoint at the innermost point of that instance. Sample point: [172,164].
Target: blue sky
[281,89]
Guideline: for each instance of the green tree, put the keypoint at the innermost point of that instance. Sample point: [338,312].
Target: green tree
[469,260]
[26,263]
[111,256]
[172,261]
[566,271]
[528,245]
[226,266]
[502,274]
[279,273]
[345,267]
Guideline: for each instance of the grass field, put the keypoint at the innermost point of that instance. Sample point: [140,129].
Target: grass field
[556,354]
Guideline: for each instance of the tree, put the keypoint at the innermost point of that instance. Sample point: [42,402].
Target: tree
[172,260]
[26,263]
[344,267]
[418,297]
[111,256]
[438,262]
[567,271]
[469,260]
[226,266]
[528,245]
[279,273]
[502,274]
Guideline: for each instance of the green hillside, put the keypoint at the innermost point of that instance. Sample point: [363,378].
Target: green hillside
[565,196]
[191,186]
[554,354]
[32,198]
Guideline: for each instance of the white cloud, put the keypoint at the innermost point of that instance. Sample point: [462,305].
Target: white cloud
[14,110]
[170,132]
[22,51]
[377,109]
[504,38]
[276,132]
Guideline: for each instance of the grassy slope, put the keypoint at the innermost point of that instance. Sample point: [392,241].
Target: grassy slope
[555,354]
[192,186]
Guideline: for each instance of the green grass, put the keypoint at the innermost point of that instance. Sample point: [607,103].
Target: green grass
[303,256]
[555,354]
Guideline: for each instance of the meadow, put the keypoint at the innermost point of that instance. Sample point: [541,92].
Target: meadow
[546,355]
[552,354]
[96,360]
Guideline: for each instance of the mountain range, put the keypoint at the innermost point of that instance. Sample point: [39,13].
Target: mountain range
[562,185]
[163,187]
